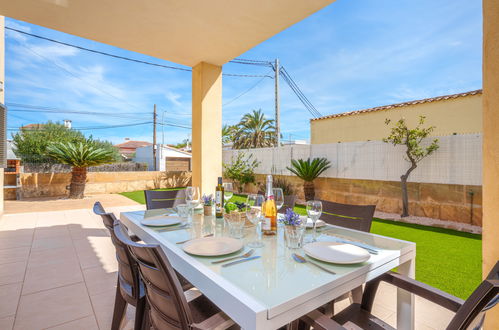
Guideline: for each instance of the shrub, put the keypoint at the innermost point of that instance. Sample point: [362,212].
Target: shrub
[241,170]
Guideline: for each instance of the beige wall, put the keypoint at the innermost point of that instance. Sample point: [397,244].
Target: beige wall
[54,184]
[438,201]
[490,142]
[460,115]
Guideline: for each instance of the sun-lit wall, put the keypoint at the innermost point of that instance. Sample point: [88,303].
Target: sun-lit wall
[461,115]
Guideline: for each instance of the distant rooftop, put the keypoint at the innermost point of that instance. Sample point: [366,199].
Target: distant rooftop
[399,105]
[133,144]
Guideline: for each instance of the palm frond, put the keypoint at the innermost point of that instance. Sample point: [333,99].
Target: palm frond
[308,170]
[79,154]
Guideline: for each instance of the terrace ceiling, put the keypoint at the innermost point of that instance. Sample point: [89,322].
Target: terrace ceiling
[183,31]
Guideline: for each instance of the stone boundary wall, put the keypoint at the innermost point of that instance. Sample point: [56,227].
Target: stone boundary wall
[449,202]
[54,184]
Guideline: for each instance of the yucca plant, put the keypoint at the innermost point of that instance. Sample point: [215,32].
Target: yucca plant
[308,170]
[80,155]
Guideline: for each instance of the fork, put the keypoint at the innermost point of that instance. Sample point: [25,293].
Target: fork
[242,256]
[190,239]
[302,260]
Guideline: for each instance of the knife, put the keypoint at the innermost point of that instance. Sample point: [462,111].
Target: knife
[361,245]
[239,261]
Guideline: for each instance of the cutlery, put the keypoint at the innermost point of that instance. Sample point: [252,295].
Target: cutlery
[190,239]
[361,245]
[239,261]
[173,229]
[246,255]
[302,260]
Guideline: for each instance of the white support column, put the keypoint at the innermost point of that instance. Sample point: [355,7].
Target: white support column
[206,126]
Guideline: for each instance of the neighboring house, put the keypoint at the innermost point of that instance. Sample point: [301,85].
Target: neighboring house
[128,148]
[450,114]
[167,158]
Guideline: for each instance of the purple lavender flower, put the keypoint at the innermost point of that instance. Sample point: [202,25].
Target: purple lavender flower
[291,218]
[207,199]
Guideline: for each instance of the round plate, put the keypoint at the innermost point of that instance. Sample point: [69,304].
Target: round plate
[212,246]
[310,224]
[337,253]
[161,221]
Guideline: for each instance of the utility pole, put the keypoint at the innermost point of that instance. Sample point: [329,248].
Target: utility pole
[277,106]
[154,138]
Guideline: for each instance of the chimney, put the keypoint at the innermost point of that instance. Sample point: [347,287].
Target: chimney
[67,123]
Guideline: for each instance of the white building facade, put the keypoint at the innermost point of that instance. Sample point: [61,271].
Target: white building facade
[167,158]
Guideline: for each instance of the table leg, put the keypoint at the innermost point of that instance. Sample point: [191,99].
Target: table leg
[405,300]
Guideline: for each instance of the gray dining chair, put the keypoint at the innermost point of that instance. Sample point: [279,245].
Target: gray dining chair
[164,199]
[470,314]
[167,305]
[358,217]
[289,203]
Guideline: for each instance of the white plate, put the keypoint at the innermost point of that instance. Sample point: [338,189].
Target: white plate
[318,224]
[337,253]
[160,221]
[212,246]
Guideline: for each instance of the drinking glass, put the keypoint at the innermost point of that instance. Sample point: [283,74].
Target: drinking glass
[192,198]
[236,224]
[228,190]
[183,211]
[254,214]
[278,197]
[314,211]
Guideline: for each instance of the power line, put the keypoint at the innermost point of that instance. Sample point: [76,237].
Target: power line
[239,61]
[92,128]
[245,92]
[294,87]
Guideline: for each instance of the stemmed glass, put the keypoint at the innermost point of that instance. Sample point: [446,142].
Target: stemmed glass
[314,211]
[228,190]
[254,214]
[278,197]
[192,199]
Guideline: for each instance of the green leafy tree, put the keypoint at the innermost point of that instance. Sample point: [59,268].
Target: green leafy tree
[241,170]
[228,132]
[30,144]
[309,170]
[79,155]
[254,131]
[415,151]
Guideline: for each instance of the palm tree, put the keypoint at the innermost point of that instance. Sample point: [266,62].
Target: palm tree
[228,132]
[254,131]
[308,170]
[80,155]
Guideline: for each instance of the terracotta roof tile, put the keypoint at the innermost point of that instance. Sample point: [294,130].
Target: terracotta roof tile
[399,105]
[133,144]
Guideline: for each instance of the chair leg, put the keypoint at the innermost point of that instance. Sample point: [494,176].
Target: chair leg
[139,313]
[356,295]
[119,308]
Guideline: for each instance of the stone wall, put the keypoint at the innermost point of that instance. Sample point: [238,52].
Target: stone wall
[54,184]
[431,200]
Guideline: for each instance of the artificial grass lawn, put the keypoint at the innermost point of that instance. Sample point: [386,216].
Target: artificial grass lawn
[446,259]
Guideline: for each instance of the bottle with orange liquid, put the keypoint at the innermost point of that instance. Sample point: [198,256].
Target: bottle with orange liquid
[269,211]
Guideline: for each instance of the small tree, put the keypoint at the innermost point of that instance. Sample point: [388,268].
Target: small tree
[80,156]
[412,139]
[309,170]
[241,170]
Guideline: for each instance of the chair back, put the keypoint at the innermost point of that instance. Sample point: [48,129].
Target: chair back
[165,297]
[358,217]
[164,199]
[472,313]
[289,203]
[128,274]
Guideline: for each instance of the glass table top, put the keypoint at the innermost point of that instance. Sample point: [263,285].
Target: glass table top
[275,278]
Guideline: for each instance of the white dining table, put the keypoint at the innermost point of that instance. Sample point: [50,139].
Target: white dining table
[274,290]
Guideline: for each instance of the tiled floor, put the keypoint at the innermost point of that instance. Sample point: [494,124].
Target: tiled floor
[58,271]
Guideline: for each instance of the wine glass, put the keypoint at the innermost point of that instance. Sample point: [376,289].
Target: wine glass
[192,198]
[278,197]
[228,190]
[314,211]
[254,214]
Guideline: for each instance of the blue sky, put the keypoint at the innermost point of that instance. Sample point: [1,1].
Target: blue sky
[351,55]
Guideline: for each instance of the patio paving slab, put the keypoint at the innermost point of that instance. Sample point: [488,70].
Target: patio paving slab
[58,271]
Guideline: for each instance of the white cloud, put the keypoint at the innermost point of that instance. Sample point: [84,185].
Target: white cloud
[173,98]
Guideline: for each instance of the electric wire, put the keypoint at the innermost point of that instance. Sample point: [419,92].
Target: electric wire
[245,92]
[240,61]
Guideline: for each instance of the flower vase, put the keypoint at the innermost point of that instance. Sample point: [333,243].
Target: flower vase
[293,236]
[208,209]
